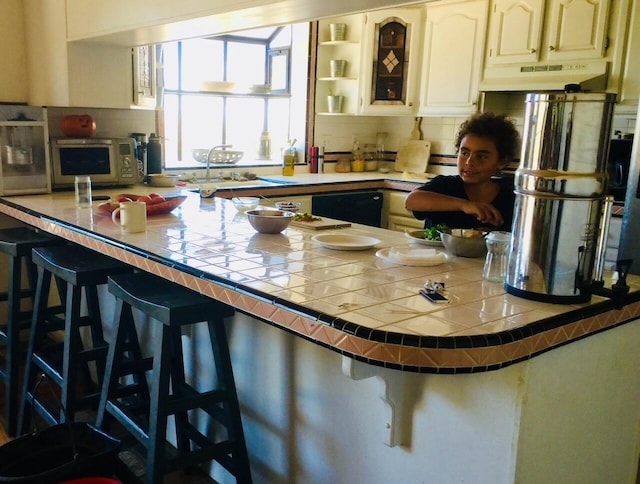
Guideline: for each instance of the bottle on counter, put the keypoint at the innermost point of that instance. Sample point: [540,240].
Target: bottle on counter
[313,159]
[357,157]
[264,149]
[154,155]
[289,159]
[320,159]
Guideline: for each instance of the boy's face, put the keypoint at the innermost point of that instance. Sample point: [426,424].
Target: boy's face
[478,159]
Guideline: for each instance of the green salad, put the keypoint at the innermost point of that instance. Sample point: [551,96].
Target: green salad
[433,233]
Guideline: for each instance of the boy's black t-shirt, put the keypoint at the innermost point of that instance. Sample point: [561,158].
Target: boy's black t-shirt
[453,186]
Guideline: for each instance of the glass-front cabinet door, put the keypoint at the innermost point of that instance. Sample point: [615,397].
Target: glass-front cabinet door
[388,82]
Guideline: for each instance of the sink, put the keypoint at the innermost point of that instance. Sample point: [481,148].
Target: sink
[229,184]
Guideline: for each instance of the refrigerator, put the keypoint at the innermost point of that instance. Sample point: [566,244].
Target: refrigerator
[630,233]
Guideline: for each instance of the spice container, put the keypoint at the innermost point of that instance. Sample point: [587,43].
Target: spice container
[343,165]
[370,157]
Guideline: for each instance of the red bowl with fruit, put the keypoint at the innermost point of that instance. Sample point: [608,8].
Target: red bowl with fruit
[156,204]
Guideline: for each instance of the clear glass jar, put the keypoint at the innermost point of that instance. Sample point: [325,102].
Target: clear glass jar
[495,264]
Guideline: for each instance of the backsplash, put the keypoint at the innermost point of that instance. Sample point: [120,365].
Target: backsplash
[336,133]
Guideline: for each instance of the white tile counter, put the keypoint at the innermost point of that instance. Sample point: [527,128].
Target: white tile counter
[352,301]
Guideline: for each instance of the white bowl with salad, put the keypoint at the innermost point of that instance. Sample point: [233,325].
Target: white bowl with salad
[430,236]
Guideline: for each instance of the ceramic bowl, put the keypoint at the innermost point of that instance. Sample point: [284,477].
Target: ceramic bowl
[464,242]
[243,204]
[163,180]
[288,206]
[269,221]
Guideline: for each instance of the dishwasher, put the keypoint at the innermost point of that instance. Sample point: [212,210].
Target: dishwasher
[363,207]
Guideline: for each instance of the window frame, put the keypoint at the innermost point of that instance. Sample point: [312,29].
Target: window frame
[270,54]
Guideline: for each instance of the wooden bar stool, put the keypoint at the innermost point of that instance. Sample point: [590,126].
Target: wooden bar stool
[143,408]
[17,243]
[82,270]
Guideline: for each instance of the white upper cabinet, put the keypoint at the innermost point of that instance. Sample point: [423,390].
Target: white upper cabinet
[389,62]
[577,29]
[452,62]
[515,31]
[521,31]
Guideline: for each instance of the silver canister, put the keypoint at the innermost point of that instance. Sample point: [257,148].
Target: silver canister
[560,187]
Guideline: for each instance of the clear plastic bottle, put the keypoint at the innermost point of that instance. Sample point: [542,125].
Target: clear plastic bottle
[264,149]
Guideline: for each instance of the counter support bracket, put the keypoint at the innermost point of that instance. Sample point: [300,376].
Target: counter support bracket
[391,394]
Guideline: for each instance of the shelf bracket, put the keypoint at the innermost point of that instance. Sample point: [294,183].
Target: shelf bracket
[391,393]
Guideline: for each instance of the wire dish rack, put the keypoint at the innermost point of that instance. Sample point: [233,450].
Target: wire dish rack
[217,156]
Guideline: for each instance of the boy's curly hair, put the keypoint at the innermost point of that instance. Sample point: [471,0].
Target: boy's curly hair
[497,127]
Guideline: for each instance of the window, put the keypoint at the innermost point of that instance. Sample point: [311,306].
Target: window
[227,90]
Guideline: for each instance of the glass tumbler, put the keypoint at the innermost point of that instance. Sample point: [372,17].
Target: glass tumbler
[495,264]
[83,191]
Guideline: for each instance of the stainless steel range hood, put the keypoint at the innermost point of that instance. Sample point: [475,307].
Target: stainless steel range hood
[589,75]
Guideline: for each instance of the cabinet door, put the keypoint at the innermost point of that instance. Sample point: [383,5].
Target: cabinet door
[388,80]
[577,29]
[404,224]
[515,31]
[453,57]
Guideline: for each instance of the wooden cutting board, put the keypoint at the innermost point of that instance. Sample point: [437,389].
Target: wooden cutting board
[413,157]
[323,224]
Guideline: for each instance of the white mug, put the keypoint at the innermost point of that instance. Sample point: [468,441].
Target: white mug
[133,216]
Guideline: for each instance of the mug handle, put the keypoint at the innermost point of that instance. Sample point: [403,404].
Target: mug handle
[114,214]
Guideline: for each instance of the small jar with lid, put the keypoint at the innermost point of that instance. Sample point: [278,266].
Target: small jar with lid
[357,157]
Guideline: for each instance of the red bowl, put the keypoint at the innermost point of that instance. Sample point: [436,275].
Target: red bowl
[167,206]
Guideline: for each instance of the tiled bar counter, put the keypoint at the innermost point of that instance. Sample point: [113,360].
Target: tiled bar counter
[346,374]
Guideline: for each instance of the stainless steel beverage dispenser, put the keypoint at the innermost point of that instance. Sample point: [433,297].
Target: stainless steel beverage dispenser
[560,189]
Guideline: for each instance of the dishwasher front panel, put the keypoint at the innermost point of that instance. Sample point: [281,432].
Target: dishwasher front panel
[357,207]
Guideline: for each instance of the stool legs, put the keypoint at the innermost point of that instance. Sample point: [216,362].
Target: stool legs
[74,359]
[169,394]
[15,294]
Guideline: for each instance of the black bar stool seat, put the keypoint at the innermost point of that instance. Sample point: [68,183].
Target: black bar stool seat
[77,270]
[142,407]
[17,243]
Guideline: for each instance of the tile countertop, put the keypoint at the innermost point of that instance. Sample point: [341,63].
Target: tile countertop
[352,302]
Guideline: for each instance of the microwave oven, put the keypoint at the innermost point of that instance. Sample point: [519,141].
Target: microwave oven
[109,162]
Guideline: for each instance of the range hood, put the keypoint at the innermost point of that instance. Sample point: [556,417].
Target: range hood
[589,75]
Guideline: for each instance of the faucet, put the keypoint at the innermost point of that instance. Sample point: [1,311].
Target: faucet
[218,147]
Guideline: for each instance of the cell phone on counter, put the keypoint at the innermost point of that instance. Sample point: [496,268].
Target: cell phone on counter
[433,296]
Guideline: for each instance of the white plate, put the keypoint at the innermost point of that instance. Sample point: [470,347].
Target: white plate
[345,241]
[417,236]
[439,258]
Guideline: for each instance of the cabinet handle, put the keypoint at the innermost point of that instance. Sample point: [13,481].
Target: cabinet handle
[532,51]
[551,47]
